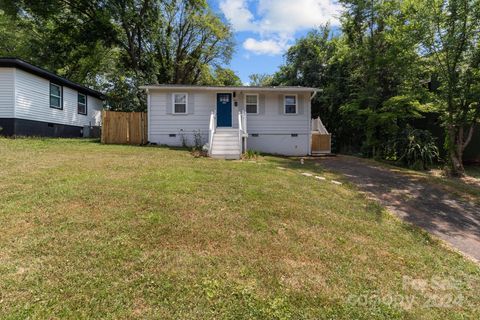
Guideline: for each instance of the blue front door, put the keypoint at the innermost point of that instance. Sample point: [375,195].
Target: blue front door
[224,109]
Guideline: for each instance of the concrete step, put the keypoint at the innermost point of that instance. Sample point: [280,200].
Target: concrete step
[226,157]
[226,130]
[225,144]
[225,150]
[226,141]
[226,135]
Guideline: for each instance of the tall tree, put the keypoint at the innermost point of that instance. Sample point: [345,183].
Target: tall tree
[119,45]
[451,41]
[260,79]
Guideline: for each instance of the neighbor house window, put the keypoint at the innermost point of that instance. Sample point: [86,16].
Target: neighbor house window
[290,104]
[251,103]
[55,96]
[180,103]
[82,104]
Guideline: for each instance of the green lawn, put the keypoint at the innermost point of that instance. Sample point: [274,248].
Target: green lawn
[97,231]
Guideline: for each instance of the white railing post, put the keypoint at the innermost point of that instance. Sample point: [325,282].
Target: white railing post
[211,132]
[245,135]
[240,131]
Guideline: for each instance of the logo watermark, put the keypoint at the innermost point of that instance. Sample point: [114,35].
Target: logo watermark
[436,292]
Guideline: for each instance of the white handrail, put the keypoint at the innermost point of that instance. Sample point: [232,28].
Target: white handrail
[242,129]
[211,131]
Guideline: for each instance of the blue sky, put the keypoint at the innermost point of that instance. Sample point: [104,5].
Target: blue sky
[264,29]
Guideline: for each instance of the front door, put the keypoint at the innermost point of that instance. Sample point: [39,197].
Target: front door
[224,109]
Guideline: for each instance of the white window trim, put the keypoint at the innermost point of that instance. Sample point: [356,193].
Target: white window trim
[186,103]
[86,103]
[258,102]
[285,104]
[52,95]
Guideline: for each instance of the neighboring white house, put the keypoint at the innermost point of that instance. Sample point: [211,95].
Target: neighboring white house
[230,120]
[35,102]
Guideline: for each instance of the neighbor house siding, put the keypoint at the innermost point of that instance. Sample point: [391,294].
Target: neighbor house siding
[32,103]
[7,92]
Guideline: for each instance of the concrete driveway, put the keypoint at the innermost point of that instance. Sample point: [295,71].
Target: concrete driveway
[443,214]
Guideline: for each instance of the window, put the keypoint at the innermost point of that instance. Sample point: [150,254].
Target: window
[179,103]
[251,103]
[55,96]
[290,102]
[82,104]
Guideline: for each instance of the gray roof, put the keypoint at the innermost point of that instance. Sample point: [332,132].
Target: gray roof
[228,88]
[30,68]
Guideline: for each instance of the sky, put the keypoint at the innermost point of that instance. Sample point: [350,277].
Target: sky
[265,29]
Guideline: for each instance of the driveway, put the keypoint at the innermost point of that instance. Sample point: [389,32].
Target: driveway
[443,214]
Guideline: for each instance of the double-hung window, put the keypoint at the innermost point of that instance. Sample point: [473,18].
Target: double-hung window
[82,104]
[55,96]
[180,103]
[251,103]
[290,104]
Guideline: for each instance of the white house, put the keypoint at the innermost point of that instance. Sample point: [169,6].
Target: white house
[229,120]
[35,102]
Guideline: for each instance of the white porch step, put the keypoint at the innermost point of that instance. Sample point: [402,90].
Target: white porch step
[224,136]
[225,144]
[220,129]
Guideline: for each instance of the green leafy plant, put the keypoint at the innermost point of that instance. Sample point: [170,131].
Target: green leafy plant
[414,148]
[197,140]
[250,154]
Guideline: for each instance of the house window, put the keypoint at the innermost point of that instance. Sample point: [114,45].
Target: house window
[290,102]
[251,103]
[55,96]
[179,103]
[82,104]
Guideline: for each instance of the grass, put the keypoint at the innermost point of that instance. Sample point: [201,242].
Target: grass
[473,171]
[96,231]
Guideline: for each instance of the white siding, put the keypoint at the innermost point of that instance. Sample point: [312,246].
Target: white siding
[271,118]
[32,103]
[282,144]
[7,92]
[273,127]
[163,122]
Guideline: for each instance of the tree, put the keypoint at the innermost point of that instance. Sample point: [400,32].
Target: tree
[260,79]
[451,31]
[226,77]
[118,45]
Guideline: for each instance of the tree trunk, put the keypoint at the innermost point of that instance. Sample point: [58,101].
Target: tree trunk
[455,146]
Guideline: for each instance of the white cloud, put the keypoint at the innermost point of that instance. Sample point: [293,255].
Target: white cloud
[290,16]
[237,13]
[277,21]
[270,46]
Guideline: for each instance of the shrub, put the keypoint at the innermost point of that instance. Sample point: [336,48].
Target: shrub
[414,148]
[250,154]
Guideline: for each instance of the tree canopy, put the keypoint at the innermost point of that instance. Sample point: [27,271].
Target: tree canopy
[393,64]
[118,45]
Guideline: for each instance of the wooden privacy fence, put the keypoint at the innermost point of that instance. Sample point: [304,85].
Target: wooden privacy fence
[321,143]
[321,139]
[124,127]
